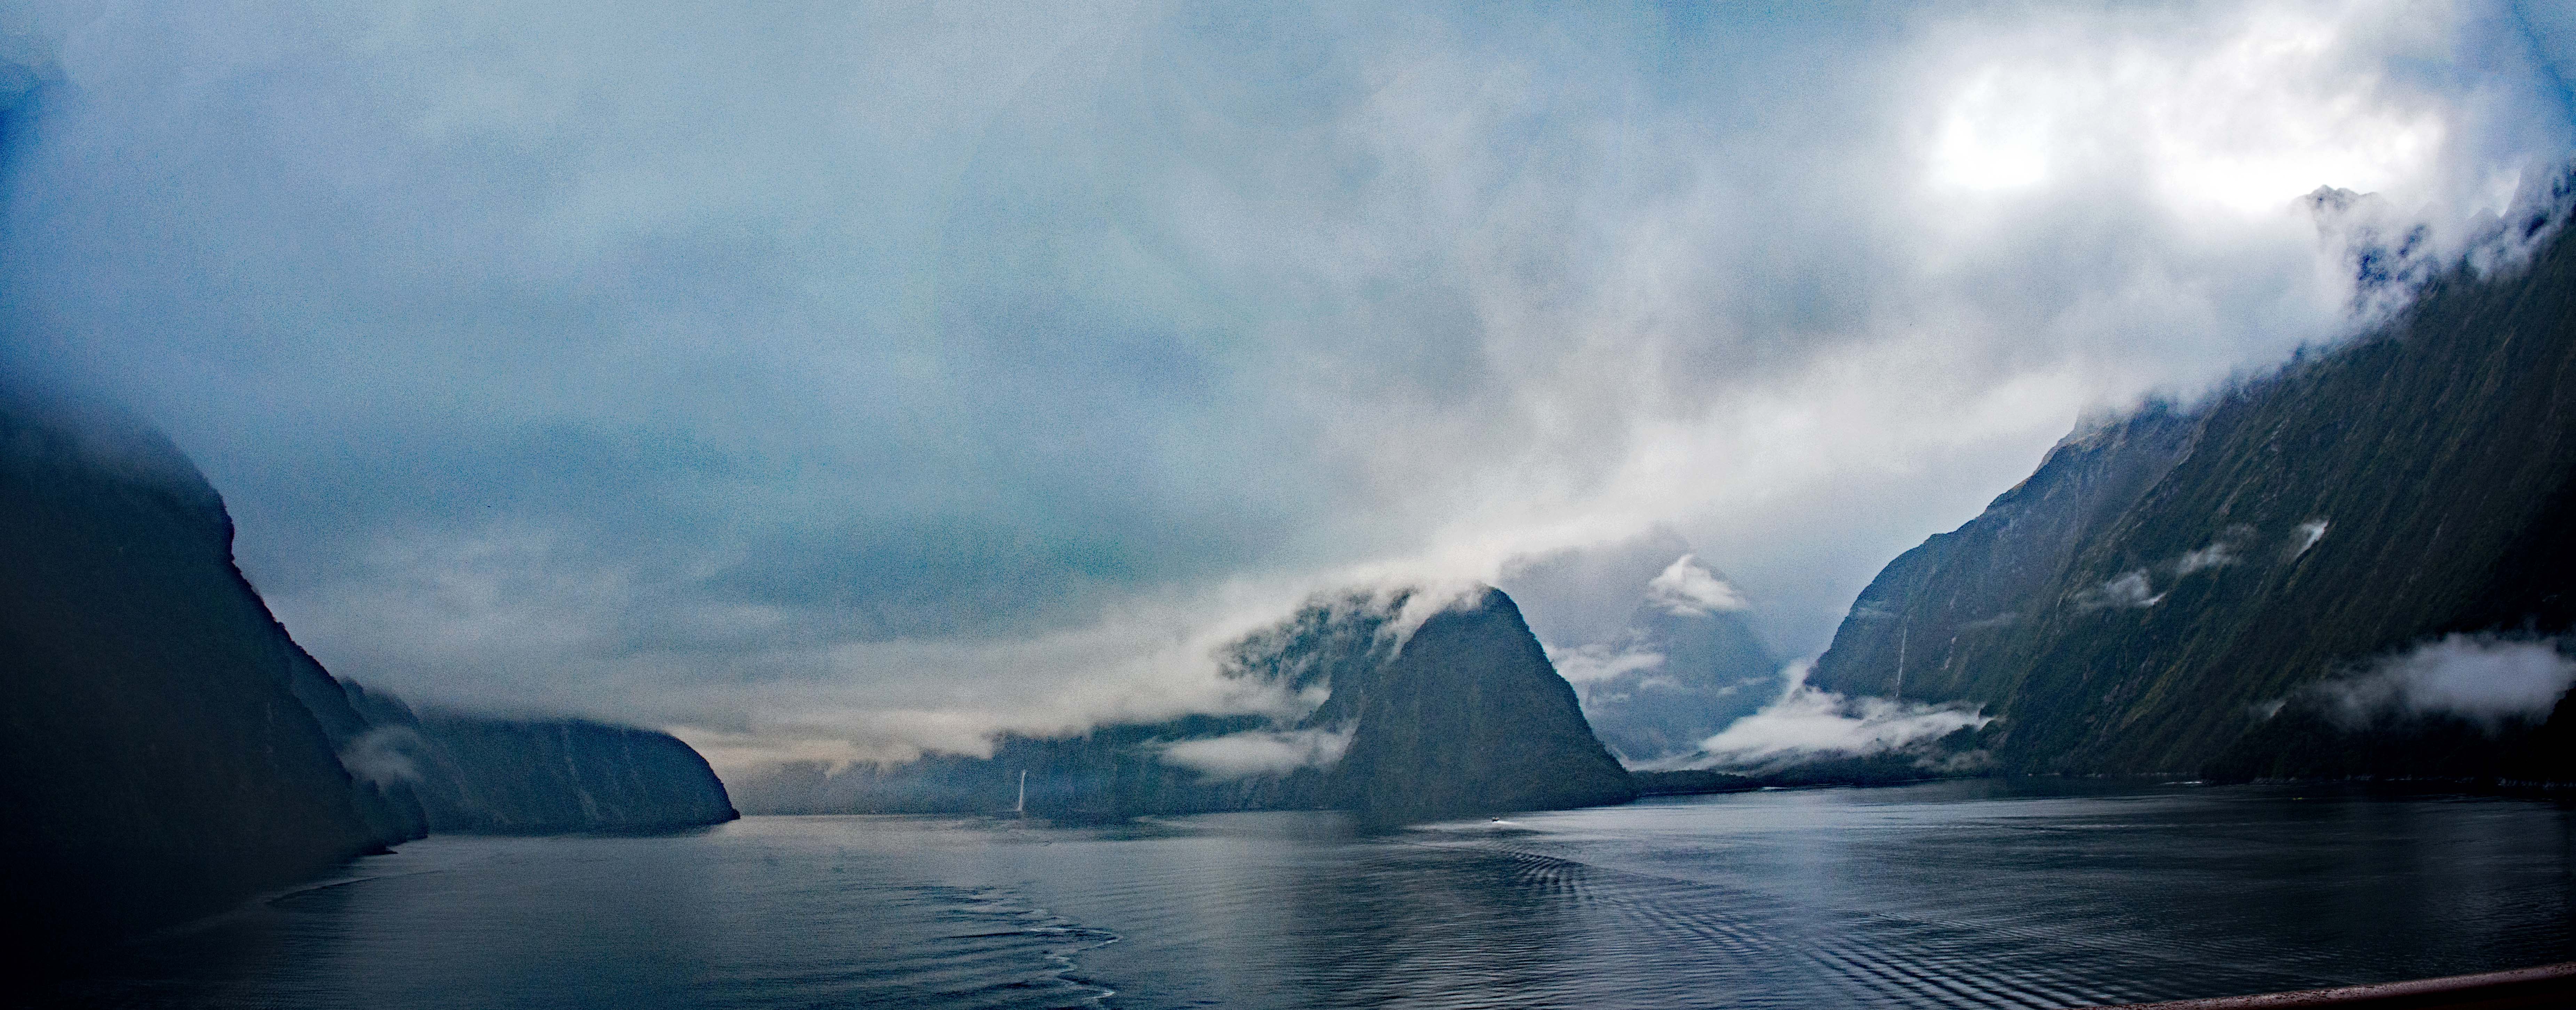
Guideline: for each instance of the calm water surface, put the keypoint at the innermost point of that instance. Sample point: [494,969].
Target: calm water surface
[1956,894]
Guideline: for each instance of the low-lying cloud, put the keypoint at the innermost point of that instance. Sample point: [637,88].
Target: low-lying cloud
[2137,587]
[2217,555]
[2131,588]
[1260,752]
[384,755]
[1809,722]
[2485,679]
[2304,538]
[1604,660]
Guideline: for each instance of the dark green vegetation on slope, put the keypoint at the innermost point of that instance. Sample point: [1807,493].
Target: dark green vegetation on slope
[1463,716]
[2166,592]
[165,748]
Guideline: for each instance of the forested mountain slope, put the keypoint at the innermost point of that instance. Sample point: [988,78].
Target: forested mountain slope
[2189,591]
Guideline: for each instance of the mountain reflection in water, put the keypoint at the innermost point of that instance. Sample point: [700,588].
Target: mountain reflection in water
[2032,893]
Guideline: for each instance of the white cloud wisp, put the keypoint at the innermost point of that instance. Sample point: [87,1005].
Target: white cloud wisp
[2482,678]
[1808,723]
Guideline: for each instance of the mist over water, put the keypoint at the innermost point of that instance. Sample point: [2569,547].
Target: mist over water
[1980,893]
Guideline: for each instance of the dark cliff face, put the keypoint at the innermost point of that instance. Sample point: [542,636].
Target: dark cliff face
[156,758]
[2166,600]
[1713,672]
[167,750]
[1465,716]
[1940,613]
[1470,718]
[390,809]
[490,775]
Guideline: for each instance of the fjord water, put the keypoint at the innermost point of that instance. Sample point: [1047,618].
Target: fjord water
[1986,893]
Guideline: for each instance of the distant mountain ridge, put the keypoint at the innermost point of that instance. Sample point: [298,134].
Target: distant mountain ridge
[477,774]
[1659,645]
[2181,591]
[1463,715]
[1685,669]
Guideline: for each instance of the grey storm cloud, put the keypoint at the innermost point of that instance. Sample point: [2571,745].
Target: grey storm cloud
[826,379]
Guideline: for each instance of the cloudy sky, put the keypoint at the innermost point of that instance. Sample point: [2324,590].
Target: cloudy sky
[835,379]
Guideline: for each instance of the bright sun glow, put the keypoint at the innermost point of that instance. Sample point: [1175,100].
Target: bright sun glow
[2245,125]
[1993,138]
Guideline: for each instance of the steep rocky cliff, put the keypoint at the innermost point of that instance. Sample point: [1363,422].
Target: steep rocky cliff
[1941,613]
[2192,591]
[157,757]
